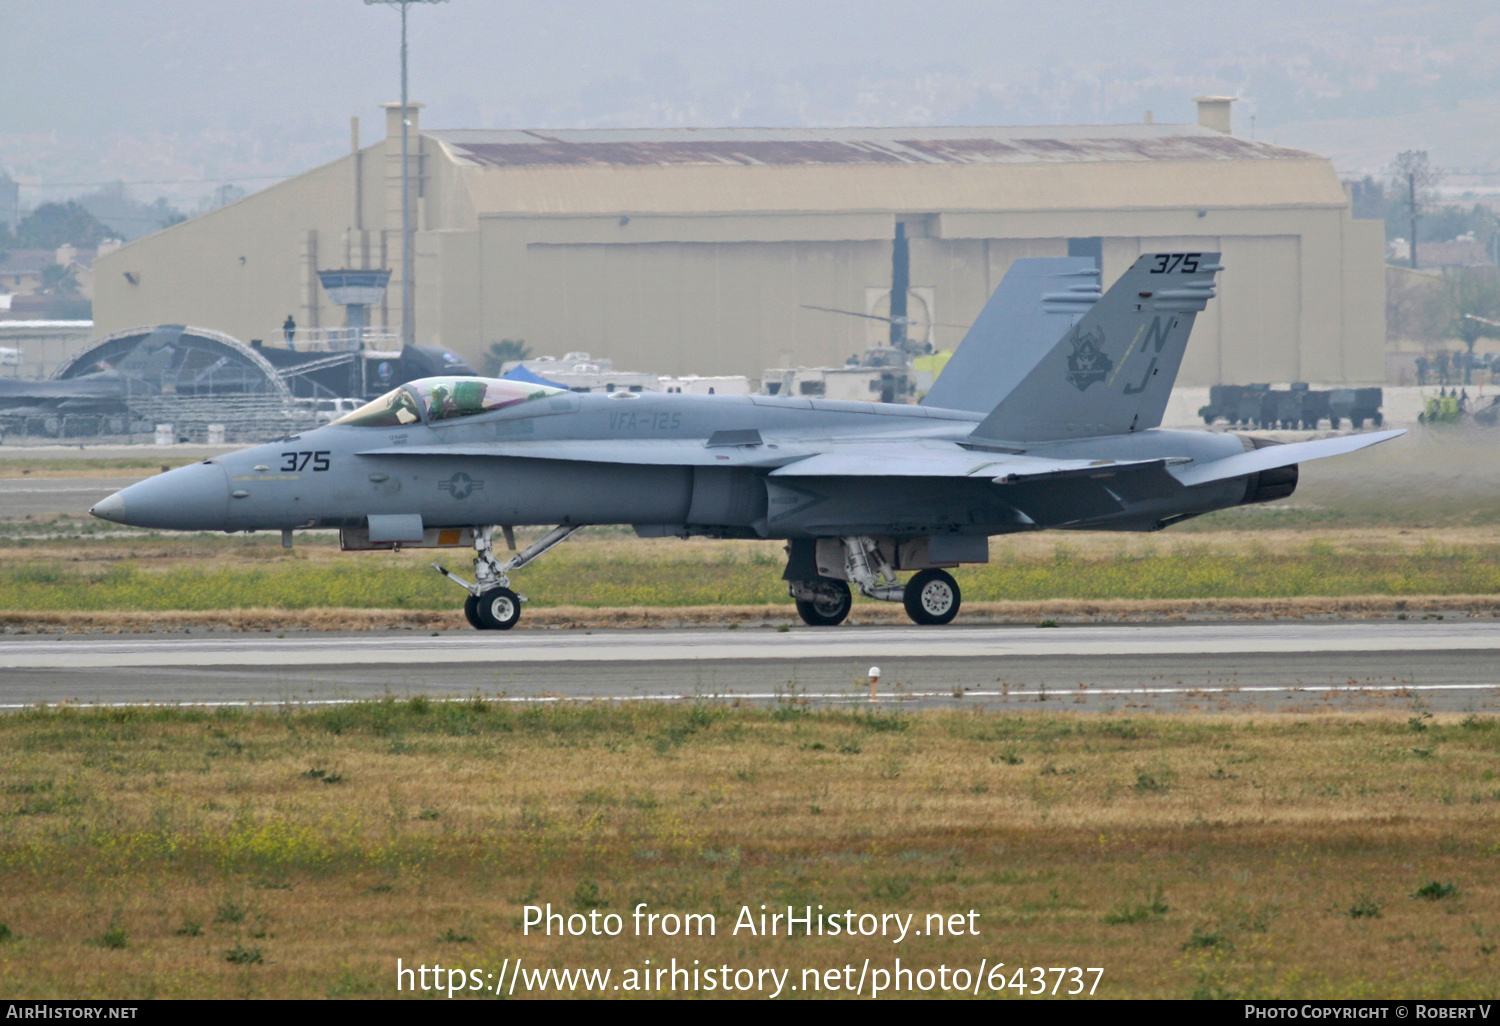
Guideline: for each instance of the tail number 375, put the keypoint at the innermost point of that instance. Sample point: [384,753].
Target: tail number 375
[1166,263]
[296,461]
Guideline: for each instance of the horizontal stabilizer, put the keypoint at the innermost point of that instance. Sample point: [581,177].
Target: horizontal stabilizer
[1273,456]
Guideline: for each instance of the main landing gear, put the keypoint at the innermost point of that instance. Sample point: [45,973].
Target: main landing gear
[491,605]
[931,597]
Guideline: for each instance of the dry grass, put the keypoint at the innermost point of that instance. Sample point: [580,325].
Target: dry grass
[1236,572]
[1233,857]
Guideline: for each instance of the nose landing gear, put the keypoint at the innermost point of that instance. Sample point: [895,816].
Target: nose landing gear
[491,605]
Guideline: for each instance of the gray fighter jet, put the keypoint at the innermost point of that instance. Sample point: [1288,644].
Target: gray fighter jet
[1047,416]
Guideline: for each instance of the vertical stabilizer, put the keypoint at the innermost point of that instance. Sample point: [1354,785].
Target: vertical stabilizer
[1035,304]
[1113,371]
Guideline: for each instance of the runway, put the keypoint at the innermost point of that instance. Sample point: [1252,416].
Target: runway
[1224,667]
[40,496]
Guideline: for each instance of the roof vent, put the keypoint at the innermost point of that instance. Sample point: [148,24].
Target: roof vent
[393,120]
[1213,112]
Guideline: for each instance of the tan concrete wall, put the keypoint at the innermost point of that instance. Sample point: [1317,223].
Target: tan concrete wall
[237,269]
[734,307]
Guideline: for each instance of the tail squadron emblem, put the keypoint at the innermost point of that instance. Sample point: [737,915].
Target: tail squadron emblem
[1087,363]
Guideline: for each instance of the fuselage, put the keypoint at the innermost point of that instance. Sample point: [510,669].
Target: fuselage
[339,475]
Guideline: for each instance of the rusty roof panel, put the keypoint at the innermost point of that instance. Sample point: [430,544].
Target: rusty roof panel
[790,147]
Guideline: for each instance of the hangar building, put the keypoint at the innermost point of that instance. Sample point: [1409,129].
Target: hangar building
[696,250]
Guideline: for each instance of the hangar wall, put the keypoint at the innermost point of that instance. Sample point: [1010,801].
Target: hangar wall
[681,269]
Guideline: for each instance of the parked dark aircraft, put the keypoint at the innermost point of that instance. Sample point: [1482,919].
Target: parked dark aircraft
[105,386]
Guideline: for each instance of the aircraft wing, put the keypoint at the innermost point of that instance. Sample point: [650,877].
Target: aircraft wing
[1273,456]
[867,458]
[678,452]
[914,459]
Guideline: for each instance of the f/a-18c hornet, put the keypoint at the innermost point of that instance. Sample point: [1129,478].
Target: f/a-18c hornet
[1047,416]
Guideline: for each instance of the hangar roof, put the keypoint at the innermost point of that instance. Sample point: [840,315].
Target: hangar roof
[789,147]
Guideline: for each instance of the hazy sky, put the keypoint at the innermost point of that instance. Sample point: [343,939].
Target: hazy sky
[166,90]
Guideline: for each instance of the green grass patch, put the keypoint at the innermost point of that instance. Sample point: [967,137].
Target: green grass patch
[614,575]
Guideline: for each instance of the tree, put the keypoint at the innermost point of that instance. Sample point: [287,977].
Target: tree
[58,280]
[501,353]
[54,224]
[1474,292]
[1411,173]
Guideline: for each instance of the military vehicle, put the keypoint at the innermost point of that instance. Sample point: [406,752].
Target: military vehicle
[1047,416]
[1291,408]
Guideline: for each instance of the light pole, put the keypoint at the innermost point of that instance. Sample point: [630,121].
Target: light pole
[408,246]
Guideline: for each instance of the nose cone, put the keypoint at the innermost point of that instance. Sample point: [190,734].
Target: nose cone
[193,498]
[112,508]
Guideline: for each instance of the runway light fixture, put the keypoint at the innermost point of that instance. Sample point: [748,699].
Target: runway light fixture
[408,247]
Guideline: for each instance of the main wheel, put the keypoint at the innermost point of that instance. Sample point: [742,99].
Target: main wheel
[498,609]
[830,608]
[471,612]
[931,597]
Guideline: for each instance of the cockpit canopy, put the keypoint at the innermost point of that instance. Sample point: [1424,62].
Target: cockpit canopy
[444,399]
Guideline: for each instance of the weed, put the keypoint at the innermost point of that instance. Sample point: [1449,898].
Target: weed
[6,936]
[850,748]
[1146,783]
[1202,938]
[190,927]
[586,896]
[1046,623]
[230,912]
[114,937]
[1364,907]
[241,955]
[782,628]
[1419,723]
[880,724]
[1435,891]
[1154,907]
[428,813]
[452,936]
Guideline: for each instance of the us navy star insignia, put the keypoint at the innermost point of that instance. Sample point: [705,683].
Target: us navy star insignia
[461,485]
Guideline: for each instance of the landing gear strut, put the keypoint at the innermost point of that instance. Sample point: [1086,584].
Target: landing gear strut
[931,597]
[491,605]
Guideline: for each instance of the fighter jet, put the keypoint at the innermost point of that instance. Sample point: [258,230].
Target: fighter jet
[1048,416]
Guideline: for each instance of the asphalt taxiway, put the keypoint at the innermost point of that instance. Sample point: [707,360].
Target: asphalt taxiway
[40,496]
[1450,665]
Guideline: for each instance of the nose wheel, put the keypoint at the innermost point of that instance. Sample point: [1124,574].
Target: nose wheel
[490,604]
[496,610]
